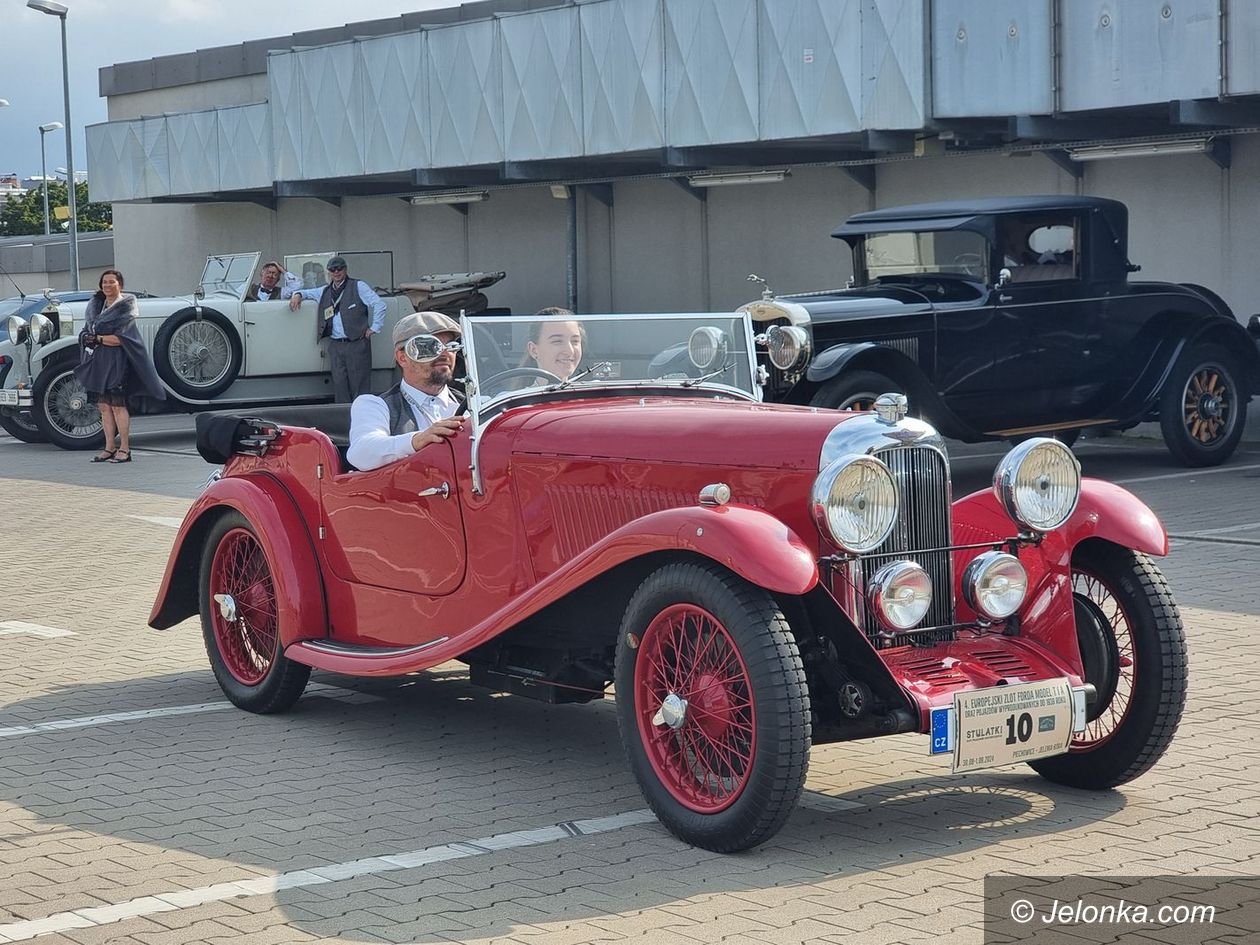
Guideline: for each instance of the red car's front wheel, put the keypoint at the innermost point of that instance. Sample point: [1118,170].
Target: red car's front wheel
[240,620]
[712,705]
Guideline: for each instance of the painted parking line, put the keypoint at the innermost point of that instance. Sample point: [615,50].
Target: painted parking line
[166,521]
[87,721]
[15,627]
[187,898]
[1188,473]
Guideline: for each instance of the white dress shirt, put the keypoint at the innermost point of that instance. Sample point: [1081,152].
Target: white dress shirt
[371,445]
[290,285]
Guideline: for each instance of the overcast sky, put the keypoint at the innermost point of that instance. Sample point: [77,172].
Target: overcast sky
[104,32]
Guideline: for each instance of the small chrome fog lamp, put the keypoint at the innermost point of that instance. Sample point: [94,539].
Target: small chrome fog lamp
[41,329]
[1038,483]
[707,346]
[900,594]
[16,326]
[787,346]
[995,584]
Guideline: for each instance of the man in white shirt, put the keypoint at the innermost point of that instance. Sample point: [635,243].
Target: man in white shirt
[420,409]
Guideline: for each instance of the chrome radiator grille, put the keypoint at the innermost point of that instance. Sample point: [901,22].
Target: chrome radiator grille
[923,480]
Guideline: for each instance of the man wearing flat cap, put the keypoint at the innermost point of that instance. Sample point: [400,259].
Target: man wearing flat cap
[350,313]
[418,410]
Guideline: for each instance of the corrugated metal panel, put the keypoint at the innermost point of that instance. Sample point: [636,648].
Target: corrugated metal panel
[1138,52]
[542,85]
[1243,45]
[622,76]
[991,57]
[710,71]
[395,121]
[244,141]
[894,74]
[113,160]
[465,95]
[194,152]
[332,111]
[810,60]
[284,107]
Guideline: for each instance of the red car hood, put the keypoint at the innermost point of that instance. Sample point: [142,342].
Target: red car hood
[677,430]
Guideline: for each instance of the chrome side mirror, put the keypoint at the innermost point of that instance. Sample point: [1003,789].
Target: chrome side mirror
[1004,277]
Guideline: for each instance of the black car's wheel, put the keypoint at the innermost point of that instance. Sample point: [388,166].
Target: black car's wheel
[855,390]
[712,706]
[20,425]
[199,357]
[1134,651]
[61,409]
[1202,408]
[240,621]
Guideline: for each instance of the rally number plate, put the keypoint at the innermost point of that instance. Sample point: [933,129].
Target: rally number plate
[8,398]
[1009,724]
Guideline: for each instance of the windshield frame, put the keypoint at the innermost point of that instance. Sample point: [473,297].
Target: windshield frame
[223,287]
[483,414]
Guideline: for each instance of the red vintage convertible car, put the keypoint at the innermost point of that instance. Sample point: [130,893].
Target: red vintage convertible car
[752,579]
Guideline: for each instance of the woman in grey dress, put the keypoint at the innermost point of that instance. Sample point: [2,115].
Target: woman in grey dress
[113,363]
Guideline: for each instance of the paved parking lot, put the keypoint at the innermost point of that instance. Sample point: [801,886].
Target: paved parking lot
[137,806]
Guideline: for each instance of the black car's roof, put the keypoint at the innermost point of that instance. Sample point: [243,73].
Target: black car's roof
[972,214]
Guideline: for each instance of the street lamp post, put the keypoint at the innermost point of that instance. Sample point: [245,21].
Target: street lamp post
[59,10]
[43,167]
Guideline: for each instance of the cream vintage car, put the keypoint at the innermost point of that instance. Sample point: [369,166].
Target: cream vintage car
[212,349]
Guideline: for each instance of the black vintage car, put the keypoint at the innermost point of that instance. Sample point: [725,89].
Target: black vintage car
[1005,317]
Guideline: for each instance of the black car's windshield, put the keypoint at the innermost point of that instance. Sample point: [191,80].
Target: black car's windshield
[932,253]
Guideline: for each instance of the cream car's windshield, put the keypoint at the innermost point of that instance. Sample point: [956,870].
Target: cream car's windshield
[513,356]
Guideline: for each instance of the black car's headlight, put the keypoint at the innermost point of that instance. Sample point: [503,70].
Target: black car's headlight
[787,346]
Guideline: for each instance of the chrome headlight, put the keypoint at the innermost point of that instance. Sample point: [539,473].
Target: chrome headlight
[707,346]
[1039,484]
[900,594]
[41,329]
[787,346]
[854,502]
[17,329]
[995,584]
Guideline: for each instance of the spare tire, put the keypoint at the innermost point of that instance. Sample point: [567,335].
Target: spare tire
[198,355]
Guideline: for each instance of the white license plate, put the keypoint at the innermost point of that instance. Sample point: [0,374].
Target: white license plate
[8,398]
[1012,724]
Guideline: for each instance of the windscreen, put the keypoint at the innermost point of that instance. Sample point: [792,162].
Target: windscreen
[228,275]
[943,252]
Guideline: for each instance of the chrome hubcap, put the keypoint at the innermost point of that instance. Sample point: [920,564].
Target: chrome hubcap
[673,712]
[227,607]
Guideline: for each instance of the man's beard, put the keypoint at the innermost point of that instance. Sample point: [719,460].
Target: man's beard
[440,374]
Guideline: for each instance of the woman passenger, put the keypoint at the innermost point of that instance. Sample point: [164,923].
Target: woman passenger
[555,346]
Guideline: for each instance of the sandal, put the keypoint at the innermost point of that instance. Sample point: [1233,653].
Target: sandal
[105,456]
[117,460]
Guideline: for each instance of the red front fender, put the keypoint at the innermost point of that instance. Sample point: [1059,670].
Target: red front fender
[280,529]
[749,541]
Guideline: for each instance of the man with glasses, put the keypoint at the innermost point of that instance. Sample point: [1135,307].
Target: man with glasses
[350,313]
[268,288]
[418,410]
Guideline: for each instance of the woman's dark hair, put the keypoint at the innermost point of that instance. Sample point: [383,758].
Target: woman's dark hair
[100,283]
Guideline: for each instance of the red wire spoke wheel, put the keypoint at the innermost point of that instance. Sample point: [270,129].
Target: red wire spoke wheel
[712,705]
[240,582]
[1134,653]
[694,704]
[242,620]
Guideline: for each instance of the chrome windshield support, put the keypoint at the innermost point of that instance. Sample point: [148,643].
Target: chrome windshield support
[472,402]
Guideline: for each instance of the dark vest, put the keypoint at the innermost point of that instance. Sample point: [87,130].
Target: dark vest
[401,419]
[355,317]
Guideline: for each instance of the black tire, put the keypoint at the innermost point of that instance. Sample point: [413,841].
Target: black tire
[1202,407]
[281,681]
[61,410]
[751,635]
[1139,705]
[855,390]
[19,425]
[198,358]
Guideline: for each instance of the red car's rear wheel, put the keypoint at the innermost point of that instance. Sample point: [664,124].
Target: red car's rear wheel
[240,620]
[1134,651]
[712,706]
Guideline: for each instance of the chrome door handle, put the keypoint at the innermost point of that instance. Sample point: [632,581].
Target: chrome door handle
[444,490]
[1005,298]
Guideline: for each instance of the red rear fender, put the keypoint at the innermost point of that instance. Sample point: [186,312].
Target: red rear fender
[290,553]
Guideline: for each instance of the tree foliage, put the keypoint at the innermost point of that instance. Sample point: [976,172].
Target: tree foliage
[24,216]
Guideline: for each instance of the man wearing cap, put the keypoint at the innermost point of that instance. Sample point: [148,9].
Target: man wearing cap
[418,410]
[350,313]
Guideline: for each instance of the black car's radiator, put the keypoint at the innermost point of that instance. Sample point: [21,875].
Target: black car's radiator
[923,523]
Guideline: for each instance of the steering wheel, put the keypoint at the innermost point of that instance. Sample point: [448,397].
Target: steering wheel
[972,264]
[488,386]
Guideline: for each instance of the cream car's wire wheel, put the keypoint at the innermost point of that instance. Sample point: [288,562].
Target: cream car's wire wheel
[72,420]
[1207,404]
[200,353]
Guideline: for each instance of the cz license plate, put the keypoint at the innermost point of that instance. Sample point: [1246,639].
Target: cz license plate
[1010,724]
[8,397]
